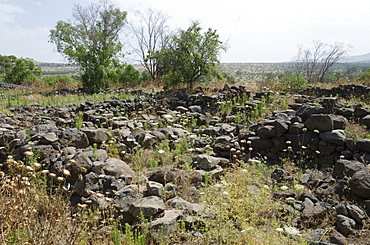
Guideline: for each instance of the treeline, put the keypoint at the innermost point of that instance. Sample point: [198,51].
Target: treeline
[257,72]
[180,58]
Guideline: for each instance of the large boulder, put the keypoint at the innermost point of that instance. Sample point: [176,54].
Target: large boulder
[179,203]
[90,182]
[258,143]
[164,176]
[347,168]
[326,122]
[320,122]
[116,167]
[340,122]
[154,189]
[147,207]
[280,127]
[360,184]
[366,121]
[74,137]
[167,224]
[336,136]
[95,135]
[307,110]
[266,132]
[356,213]
[345,225]
[80,164]
[326,149]
[44,151]
[222,146]
[207,162]
[363,145]
[43,129]
[305,139]
[48,138]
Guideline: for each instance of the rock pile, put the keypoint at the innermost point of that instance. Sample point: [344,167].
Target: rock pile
[311,130]
[343,91]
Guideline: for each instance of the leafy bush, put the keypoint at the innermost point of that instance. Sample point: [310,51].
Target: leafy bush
[129,76]
[60,81]
[364,78]
[22,71]
[293,83]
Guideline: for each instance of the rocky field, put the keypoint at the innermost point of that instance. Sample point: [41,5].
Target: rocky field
[183,168]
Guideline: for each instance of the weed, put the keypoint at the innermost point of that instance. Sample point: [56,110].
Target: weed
[153,164]
[79,120]
[245,215]
[95,150]
[356,131]
[116,235]
[206,179]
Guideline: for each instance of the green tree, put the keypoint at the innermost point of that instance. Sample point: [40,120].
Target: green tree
[364,78]
[129,76]
[293,82]
[60,81]
[6,64]
[22,71]
[92,41]
[190,54]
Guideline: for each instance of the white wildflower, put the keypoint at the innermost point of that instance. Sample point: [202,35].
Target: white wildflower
[284,188]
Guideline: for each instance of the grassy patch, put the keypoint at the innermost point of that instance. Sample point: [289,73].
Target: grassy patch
[244,211]
[18,98]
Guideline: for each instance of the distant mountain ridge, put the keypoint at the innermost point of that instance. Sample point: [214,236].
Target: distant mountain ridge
[364,58]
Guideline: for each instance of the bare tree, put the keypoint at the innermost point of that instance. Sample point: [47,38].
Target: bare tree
[150,34]
[314,63]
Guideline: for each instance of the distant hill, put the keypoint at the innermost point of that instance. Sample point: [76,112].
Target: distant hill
[365,58]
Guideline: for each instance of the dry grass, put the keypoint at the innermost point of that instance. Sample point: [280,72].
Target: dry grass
[244,210]
[356,131]
[35,207]
[33,210]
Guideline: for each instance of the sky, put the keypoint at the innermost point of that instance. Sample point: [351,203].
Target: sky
[256,31]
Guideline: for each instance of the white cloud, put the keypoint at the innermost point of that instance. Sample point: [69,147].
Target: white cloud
[9,12]
[266,30]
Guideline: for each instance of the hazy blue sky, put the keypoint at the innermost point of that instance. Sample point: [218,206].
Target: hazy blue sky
[258,31]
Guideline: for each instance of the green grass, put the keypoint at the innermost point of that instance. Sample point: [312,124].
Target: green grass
[19,98]
[245,212]
[240,206]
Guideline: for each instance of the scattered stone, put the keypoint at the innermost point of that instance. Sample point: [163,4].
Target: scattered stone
[363,145]
[347,168]
[146,207]
[83,156]
[167,224]
[356,213]
[336,136]
[154,189]
[48,138]
[366,121]
[207,162]
[164,176]
[344,224]
[116,167]
[360,184]
[95,136]
[337,238]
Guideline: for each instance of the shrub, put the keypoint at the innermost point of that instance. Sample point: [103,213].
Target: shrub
[364,78]
[293,83]
[60,81]
[129,76]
